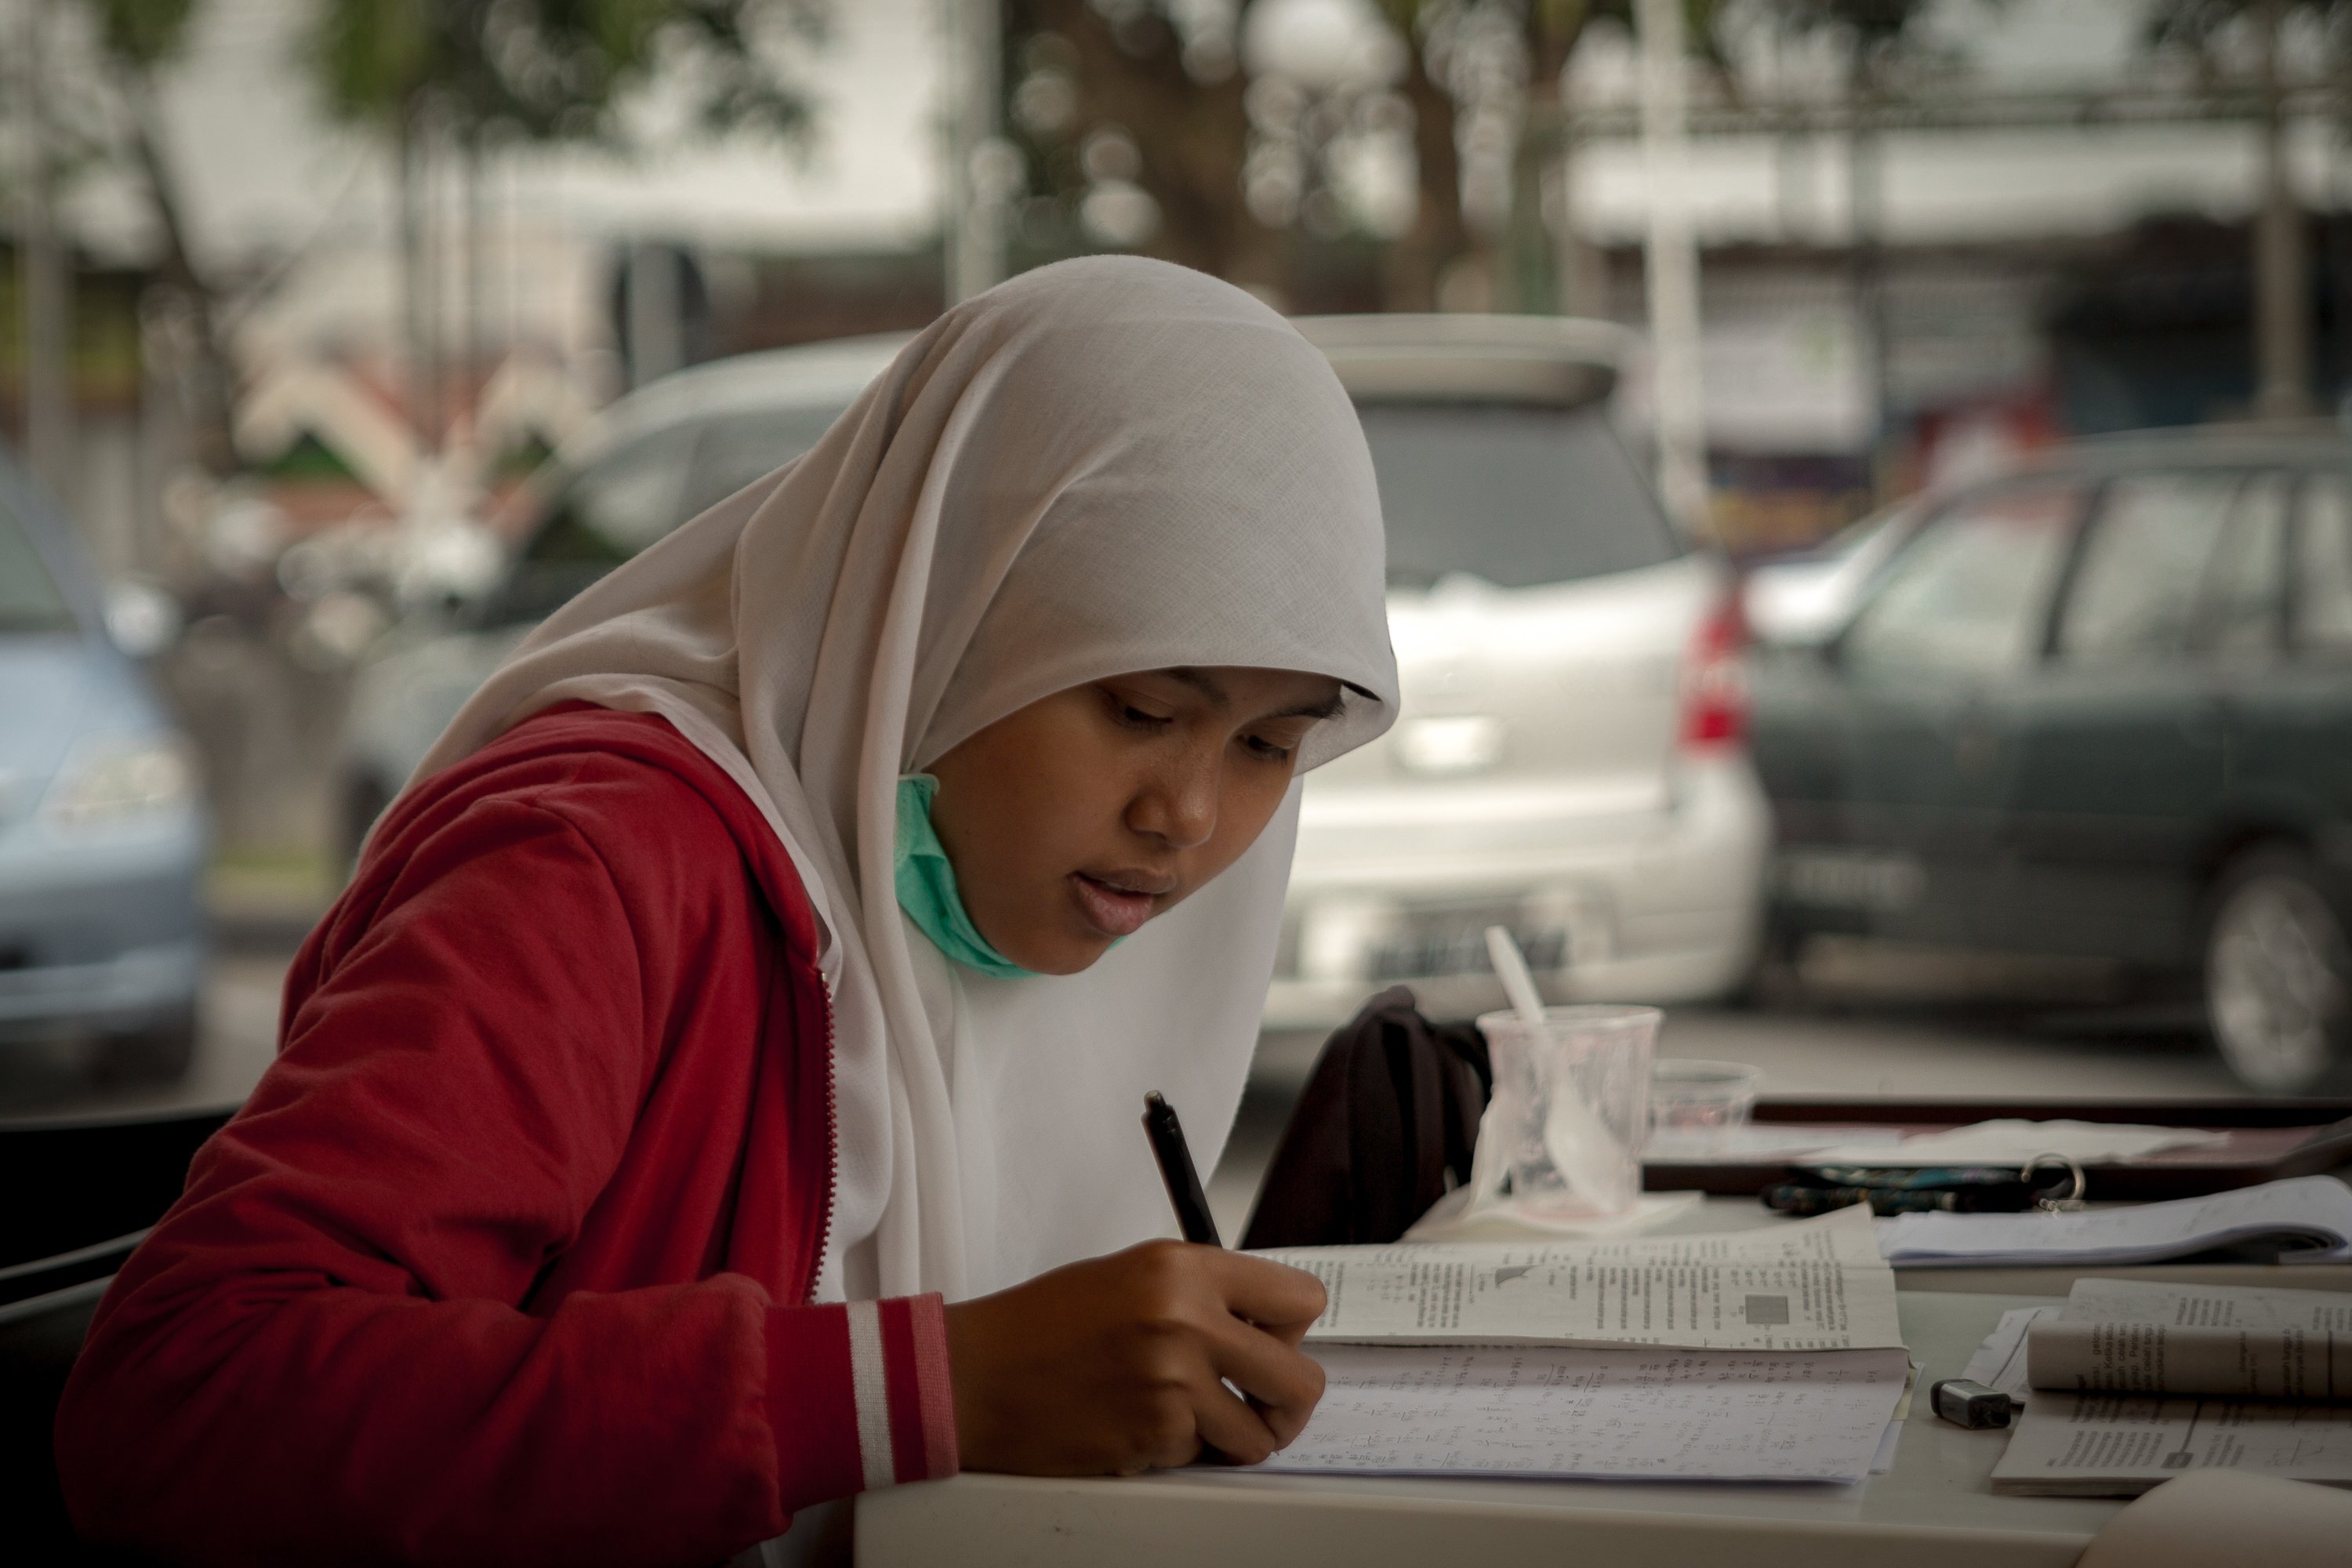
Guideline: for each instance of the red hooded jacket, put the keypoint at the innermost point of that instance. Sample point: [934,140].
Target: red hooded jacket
[508,1257]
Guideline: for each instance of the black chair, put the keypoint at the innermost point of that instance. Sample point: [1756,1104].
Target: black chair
[75,1183]
[93,1187]
[40,1337]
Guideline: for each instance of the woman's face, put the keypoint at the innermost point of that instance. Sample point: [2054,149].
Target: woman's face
[1074,820]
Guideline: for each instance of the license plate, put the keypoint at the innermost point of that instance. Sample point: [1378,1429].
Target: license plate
[1457,945]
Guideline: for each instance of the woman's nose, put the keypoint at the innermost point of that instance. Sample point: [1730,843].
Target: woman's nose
[1178,805]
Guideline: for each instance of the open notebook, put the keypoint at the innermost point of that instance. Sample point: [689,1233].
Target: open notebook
[2308,1217]
[1766,1355]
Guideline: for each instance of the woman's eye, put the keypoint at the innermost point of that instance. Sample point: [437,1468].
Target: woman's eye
[1269,751]
[1135,717]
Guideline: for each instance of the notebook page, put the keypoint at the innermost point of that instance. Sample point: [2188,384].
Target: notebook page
[1625,1413]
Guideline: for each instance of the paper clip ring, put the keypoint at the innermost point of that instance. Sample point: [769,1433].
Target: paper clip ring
[2074,1198]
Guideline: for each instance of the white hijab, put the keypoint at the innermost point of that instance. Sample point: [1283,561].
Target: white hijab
[1106,466]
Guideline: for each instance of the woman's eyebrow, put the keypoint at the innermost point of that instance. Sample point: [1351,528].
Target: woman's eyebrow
[1208,686]
[1326,709]
[1202,681]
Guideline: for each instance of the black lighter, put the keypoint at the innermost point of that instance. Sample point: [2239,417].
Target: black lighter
[1965,1404]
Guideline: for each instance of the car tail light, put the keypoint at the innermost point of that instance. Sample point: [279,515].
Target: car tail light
[1715,682]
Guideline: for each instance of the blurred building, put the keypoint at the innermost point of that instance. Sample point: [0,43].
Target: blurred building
[1994,348]
[2045,229]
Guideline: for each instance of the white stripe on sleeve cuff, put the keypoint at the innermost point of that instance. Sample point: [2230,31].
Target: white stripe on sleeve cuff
[869,1382]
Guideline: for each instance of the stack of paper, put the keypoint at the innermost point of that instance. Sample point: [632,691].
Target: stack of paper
[2138,1382]
[1767,1355]
[2309,1216]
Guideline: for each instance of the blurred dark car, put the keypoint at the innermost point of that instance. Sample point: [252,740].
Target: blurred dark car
[102,837]
[2100,706]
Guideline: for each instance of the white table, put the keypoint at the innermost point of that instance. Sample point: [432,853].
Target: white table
[1934,1510]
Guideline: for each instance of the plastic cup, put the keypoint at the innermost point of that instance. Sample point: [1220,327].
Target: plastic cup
[1572,1103]
[1690,1098]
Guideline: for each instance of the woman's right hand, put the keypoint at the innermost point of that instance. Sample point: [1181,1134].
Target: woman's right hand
[1120,1364]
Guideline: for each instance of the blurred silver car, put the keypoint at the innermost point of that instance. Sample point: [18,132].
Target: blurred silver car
[103,836]
[655,459]
[1570,761]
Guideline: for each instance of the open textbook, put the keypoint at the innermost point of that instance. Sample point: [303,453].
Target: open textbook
[2310,1218]
[2134,1383]
[2127,1336]
[1816,1285]
[1765,1355]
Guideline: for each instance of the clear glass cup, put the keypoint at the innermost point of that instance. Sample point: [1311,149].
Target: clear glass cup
[1691,1099]
[1573,1106]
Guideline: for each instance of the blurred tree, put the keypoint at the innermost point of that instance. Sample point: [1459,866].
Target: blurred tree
[1524,272]
[557,70]
[435,74]
[1138,128]
[1467,50]
[2248,39]
[1438,236]
[1132,119]
[1542,272]
[139,38]
[87,88]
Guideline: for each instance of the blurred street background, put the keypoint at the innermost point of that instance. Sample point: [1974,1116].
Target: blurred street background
[317,319]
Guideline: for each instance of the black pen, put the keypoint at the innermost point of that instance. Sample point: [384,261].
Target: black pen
[1168,1147]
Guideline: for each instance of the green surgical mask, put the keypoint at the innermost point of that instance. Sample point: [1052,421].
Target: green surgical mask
[927,885]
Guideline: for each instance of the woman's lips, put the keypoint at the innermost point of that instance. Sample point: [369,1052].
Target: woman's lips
[1114,911]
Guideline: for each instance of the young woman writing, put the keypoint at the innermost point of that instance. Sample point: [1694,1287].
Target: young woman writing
[715,1092]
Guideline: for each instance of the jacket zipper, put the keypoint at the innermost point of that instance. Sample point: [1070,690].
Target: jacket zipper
[832,1149]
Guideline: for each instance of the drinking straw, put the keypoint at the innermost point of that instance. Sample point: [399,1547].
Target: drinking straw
[1519,985]
[1582,1150]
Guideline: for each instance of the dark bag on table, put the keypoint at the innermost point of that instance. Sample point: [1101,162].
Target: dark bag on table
[1384,1128]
